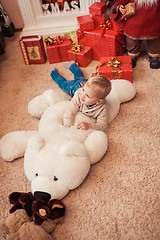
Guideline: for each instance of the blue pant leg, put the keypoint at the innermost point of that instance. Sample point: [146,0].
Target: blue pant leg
[61,81]
[76,71]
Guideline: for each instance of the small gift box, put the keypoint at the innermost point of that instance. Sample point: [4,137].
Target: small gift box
[32,48]
[98,19]
[119,67]
[58,51]
[98,8]
[82,55]
[85,22]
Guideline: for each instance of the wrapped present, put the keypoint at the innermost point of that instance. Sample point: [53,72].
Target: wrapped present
[58,51]
[104,43]
[32,48]
[82,55]
[85,22]
[98,19]
[98,8]
[119,67]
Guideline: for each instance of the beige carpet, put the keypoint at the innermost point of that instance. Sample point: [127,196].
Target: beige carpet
[120,198]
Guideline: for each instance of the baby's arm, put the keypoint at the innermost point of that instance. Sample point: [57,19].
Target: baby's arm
[70,112]
[102,120]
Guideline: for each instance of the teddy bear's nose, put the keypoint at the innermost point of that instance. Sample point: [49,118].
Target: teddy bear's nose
[42,195]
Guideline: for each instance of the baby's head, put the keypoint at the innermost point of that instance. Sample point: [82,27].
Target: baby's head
[95,90]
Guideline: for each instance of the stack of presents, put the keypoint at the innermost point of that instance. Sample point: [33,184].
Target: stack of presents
[96,39]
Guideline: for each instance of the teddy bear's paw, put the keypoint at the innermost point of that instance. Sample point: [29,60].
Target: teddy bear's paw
[13,144]
[96,144]
[39,104]
[123,89]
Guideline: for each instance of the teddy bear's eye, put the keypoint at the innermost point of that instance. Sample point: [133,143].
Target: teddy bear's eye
[55,178]
[36,174]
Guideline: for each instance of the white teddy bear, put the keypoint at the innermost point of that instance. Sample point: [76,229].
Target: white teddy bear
[57,159]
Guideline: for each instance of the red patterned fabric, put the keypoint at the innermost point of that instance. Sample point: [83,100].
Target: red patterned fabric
[145,24]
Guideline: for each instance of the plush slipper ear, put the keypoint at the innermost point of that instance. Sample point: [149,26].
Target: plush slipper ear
[57,210]
[40,211]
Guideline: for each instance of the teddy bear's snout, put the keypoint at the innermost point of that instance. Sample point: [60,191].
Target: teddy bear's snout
[42,195]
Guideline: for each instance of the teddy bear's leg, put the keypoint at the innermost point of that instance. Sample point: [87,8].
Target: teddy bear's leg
[122,91]
[39,104]
[14,144]
[96,144]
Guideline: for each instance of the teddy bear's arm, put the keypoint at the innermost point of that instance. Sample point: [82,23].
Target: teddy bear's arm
[39,104]
[14,144]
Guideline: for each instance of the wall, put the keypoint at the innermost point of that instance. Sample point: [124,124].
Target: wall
[12,8]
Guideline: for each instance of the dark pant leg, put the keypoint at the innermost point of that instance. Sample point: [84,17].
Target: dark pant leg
[153,47]
[133,47]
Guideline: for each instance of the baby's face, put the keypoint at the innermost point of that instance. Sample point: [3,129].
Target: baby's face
[88,96]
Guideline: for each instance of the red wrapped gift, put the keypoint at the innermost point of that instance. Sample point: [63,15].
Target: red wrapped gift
[98,8]
[85,22]
[32,48]
[98,19]
[104,43]
[83,56]
[119,67]
[58,52]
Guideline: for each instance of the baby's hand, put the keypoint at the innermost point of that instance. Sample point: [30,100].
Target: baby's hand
[122,9]
[84,125]
[67,126]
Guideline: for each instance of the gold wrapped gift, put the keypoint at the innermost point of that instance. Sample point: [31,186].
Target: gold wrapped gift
[130,10]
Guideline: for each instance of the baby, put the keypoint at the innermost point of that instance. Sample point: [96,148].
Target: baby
[88,97]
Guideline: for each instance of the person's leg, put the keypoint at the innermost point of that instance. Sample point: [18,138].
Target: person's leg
[153,48]
[133,49]
[76,71]
[61,81]
[72,66]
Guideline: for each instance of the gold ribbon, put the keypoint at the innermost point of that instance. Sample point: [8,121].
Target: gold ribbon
[58,40]
[77,48]
[115,64]
[51,41]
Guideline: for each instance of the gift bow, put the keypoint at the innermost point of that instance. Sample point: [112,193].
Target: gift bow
[115,64]
[57,40]
[106,25]
[77,48]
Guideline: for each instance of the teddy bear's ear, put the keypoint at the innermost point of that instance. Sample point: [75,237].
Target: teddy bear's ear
[58,210]
[21,201]
[73,149]
[40,211]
